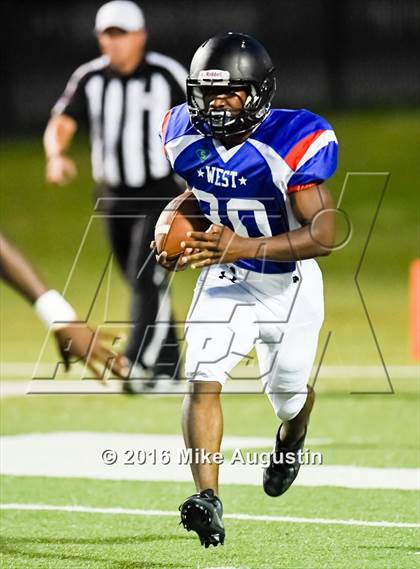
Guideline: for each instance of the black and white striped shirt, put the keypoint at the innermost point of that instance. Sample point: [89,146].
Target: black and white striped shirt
[124,115]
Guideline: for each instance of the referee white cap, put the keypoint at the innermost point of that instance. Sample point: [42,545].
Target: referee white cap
[121,14]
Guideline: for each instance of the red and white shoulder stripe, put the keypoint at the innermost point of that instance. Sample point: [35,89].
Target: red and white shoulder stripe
[306,149]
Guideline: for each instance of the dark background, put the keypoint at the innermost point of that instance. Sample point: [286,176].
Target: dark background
[328,53]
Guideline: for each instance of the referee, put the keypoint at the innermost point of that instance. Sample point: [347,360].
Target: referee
[122,97]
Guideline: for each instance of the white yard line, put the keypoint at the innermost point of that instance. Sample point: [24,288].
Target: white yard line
[87,386]
[240,517]
[45,370]
[13,388]
[161,458]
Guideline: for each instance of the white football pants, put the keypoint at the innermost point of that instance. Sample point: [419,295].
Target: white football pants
[234,310]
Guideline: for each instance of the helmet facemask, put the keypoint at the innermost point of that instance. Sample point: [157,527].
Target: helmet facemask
[225,122]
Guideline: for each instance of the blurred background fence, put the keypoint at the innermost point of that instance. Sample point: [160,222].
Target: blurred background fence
[328,53]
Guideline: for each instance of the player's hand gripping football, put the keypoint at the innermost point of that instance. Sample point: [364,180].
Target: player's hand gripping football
[176,264]
[218,244]
[79,343]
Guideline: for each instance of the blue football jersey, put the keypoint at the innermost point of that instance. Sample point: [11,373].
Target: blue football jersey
[247,187]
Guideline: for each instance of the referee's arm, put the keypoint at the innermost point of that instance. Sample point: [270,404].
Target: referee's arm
[60,169]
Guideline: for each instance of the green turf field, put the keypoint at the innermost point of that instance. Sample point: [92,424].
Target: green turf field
[362,432]
[377,431]
[57,539]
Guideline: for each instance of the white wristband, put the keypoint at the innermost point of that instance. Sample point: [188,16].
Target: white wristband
[54,310]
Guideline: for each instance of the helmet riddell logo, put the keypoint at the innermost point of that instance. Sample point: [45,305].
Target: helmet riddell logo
[213,75]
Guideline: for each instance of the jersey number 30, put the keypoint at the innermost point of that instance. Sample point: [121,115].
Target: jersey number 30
[233,207]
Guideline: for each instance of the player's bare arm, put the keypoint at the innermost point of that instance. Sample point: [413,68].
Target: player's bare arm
[60,169]
[18,273]
[76,341]
[312,207]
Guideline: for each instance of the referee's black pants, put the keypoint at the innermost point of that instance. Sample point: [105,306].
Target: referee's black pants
[152,342]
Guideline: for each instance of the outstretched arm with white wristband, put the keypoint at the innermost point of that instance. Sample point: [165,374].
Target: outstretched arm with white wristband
[75,339]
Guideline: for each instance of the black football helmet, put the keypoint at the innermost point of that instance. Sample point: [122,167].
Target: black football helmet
[236,62]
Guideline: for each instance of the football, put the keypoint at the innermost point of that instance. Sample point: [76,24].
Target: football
[181,215]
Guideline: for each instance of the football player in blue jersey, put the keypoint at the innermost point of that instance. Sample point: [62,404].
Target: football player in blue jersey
[259,176]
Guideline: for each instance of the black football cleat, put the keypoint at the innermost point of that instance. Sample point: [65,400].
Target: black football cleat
[284,467]
[203,514]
